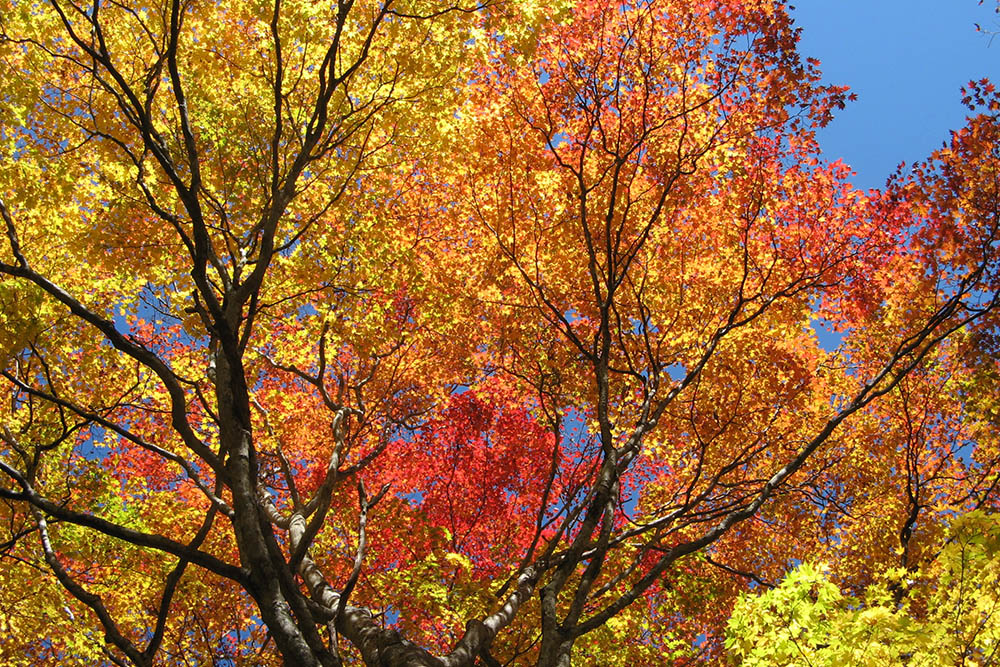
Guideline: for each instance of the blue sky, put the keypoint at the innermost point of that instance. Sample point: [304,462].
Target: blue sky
[906,60]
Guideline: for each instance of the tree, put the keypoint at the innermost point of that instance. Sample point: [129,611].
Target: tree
[410,333]
[947,615]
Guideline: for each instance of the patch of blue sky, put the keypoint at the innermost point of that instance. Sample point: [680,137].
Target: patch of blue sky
[94,445]
[676,371]
[906,60]
[829,338]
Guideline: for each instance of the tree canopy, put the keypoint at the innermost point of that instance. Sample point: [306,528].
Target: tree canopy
[945,613]
[407,332]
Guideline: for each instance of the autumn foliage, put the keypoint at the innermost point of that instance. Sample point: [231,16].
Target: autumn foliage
[417,333]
